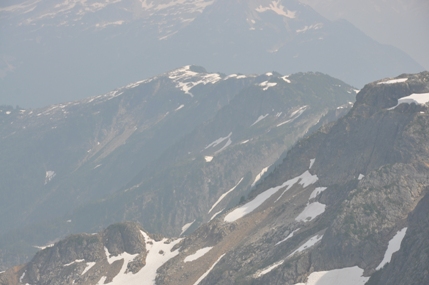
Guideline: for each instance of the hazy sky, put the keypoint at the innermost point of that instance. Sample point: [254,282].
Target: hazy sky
[401,23]
[54,51]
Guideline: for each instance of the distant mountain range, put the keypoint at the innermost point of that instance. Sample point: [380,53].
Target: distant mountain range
[161,151]
[73,49]
[347,204]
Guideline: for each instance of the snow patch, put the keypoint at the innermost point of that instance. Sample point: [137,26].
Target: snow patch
[22,277]
[344,276]
[296,114]
[208,158]
[186,79]
[44,246]
[311,242]
[268,269]
[216,214]
[180,107]
[73,262]
[258,177]
[218,141]
[186,227]
[227,144]
[244,142]
[102,280]
[224,195]
[260,118]
[394,246]
[106,24]
[312,162]
[230,76]
[198,254]
[288,237]
[158,253]
[124,255]
[311,27]
[311,211]
[316,192]
[304,179]
[267,85]
[277,8]
[49,176]
[89,265]
[393,81]
[285,78]
[418,99]
[208,271]
[361,176]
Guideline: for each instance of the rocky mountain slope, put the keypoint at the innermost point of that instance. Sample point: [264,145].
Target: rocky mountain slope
[178,141]
[348,203]
[105,44]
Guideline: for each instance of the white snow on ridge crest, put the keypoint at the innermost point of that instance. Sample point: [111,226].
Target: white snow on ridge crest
[415,98]
[393,81]
[186,79]
[277,8]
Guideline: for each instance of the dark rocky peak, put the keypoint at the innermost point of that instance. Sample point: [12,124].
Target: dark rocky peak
[385,93]
[84,258]
[124,237]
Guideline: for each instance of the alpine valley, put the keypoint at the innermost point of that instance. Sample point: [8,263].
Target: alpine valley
[250,179]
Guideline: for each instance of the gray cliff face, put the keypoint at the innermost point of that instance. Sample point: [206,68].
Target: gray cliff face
[337,202]
[374,163]
[414,251]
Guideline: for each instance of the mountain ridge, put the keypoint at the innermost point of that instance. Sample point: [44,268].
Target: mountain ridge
[331,209]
